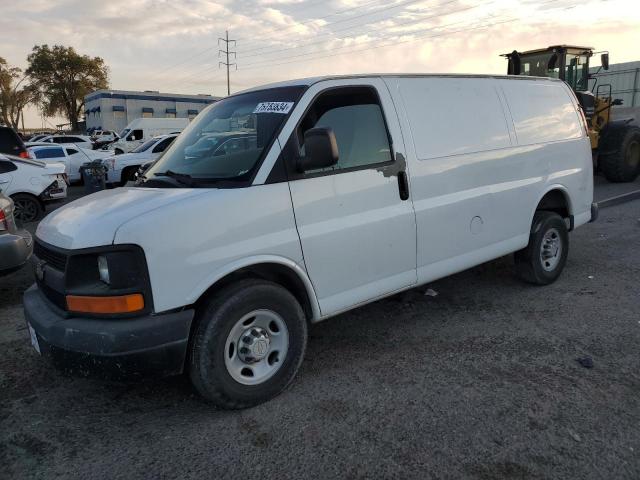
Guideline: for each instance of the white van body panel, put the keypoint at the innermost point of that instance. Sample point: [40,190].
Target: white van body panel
[358,237]
[106,211]
[482,194]
[191,243]
[478,158]
[151,127]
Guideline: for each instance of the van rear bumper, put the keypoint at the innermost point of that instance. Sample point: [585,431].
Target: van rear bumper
[152,345]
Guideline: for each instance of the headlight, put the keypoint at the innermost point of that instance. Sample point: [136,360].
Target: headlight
[109,280]
[103,269]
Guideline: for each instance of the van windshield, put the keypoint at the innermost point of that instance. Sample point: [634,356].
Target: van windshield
[227,141]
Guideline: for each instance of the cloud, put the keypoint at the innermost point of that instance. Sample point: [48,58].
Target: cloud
[173,46]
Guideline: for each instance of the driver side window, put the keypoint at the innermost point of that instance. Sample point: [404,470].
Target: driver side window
[357,120]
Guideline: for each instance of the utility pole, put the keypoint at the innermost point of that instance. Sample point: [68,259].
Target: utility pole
[227,52]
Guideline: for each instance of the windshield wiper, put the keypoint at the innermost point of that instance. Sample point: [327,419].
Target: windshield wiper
[181,178]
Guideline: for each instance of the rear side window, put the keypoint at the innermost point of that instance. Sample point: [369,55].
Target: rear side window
[49,153]
[10,142]
[71,151]
[357,120]
[454,116]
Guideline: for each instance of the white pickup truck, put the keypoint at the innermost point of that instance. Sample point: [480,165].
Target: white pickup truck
[344,190]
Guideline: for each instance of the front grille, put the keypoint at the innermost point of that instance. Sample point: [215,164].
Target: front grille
[52,257]
[57,298]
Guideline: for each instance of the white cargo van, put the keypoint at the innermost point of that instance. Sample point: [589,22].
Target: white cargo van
[143,129]
[348,189]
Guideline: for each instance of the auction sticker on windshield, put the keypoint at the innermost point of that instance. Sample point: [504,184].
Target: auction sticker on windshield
[273,107]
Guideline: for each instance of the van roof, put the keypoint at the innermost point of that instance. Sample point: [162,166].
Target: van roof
[307,82]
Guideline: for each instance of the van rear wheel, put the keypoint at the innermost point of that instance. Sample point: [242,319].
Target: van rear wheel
[544,258]
[248,344]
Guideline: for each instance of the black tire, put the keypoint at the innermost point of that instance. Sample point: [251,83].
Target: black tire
[117,151]
[619,159]
[215,320]
[530,266]
[27,208]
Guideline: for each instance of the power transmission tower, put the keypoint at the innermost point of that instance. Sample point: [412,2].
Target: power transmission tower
[227,53]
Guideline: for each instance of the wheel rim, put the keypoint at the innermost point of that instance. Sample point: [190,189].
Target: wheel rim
[256,347]
[550,250]
[25,210]
[633,155]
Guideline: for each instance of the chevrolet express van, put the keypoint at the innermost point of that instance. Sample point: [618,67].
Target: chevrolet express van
[355,188]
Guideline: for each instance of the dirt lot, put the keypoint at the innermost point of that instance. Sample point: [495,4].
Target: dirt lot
[480,381]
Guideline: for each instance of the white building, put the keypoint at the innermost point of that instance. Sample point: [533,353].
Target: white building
[115,109]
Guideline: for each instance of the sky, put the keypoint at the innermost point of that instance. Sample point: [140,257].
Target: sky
[172,46]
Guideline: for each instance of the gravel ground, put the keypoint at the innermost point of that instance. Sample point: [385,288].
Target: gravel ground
[480,381]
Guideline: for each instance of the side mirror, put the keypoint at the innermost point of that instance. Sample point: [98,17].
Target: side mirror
[604,60]
[321,149]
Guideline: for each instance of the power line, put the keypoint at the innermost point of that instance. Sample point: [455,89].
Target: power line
[227,53]
[401,24]
[387,45]
[352,49]
[403,3]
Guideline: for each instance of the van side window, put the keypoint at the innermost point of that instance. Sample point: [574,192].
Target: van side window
[135,135]
[357,120]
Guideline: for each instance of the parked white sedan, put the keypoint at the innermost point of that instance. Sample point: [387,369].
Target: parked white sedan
[122,168]
[82,141]
[70,155]
[30,184]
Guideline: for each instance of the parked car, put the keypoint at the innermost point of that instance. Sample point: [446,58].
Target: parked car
[357,188]
[16,244]
[82,141]
[102,138]
[122,168]
[31,184]
[68,154]
[141,130]
[11,143]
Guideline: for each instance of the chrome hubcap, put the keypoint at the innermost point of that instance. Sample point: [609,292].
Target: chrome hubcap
[256,347]
[551,249]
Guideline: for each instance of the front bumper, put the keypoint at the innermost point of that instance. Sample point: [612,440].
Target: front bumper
[15,250]
[152,345]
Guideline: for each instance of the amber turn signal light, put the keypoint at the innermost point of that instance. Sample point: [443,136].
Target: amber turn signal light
[119,304]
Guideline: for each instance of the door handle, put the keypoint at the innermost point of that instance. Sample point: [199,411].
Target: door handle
[403,185]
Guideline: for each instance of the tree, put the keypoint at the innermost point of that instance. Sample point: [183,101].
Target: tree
[15,94]
[63,78]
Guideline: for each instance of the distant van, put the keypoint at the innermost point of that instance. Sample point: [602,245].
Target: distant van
[329,193]
[143,129]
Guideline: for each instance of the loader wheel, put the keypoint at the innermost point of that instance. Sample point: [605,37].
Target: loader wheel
[620,161]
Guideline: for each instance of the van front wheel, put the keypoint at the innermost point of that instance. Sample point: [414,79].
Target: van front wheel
[543,260]
[248,344]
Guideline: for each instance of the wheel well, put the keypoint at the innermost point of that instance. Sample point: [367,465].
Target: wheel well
[555,201]
[272,272]
[35,197]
